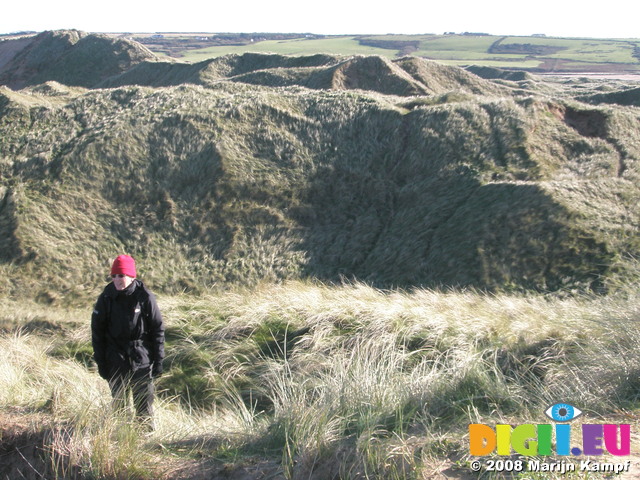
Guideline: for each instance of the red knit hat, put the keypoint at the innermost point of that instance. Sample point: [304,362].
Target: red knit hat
[125,265]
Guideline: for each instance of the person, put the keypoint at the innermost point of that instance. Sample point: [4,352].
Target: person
[127,333]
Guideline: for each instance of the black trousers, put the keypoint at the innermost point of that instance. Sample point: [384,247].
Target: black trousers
[139,385]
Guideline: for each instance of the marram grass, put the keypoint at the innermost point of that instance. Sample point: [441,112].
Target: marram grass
[471,184]
[346,381]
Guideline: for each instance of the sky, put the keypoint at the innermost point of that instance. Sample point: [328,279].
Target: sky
[562,18]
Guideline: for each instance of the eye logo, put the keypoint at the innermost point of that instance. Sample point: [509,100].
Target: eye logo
[562,412]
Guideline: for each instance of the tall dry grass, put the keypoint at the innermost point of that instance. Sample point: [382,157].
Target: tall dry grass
[345,380]
[395,375]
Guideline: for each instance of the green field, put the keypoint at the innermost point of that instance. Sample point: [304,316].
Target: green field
[528,53]
[344,45]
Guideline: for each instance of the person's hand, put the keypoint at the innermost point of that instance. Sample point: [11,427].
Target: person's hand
[103,371]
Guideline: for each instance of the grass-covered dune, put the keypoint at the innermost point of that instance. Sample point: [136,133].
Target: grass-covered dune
[629,97]
[480,184]
[266,167]
[71,57]
[405,77]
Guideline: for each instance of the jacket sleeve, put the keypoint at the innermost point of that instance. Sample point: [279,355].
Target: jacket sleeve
[156,331]
[99,331]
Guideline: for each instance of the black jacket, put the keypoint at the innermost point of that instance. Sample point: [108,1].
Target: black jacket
[127,330]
